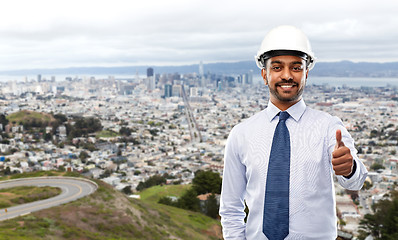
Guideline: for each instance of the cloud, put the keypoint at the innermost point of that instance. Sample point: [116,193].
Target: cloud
[46,34]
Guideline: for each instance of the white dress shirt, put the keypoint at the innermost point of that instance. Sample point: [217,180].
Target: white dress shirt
[312,208]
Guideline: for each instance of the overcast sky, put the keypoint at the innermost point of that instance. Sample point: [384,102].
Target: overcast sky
[52,34]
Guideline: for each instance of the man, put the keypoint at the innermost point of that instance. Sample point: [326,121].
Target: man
[281,162]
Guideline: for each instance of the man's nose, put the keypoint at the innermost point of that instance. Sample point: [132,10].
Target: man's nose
[286,74]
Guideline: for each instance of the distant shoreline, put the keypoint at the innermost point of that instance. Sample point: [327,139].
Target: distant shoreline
[322,69]
[353,81]
[312,80]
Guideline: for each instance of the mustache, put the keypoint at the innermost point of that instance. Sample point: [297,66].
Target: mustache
[286,82]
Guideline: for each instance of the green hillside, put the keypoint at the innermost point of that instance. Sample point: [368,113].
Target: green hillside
[154,193]
[109,214]
[25,116]
[25,194]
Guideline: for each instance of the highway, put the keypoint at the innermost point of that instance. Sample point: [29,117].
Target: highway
[72,189]
[192,124]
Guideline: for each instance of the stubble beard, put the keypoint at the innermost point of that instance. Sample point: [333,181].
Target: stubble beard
[293,98]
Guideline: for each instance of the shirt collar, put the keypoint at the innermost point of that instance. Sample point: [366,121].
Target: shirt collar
[295,111]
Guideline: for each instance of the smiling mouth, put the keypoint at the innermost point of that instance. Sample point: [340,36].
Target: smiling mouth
[286,86]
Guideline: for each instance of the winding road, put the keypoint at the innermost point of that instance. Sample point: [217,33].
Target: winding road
[72,189]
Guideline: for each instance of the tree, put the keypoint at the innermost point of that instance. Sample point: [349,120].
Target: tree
[83,126]
[383,224]
[353,194]
[189,200]
[377,166]
[153,131]
[207,182]
[367,185]
[141,186]
[127,190]
[3,120]
[212,206]
[61,118]
[89,146]
[83,156]
[167,201]
[125,131]
[106,174]
[152,181]
[47,137]
[61,168]
[7,171]
[373,133]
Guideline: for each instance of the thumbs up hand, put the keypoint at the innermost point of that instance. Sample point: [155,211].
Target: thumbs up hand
[342,159]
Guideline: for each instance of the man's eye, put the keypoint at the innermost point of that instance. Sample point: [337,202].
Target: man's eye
[297,68]
[275,68]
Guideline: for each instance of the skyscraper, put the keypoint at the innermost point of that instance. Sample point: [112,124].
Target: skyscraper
[201,70]
[150,83]
[167,90]
[177,90]
[193,92]
[149,72]
[202,79]
[250,77]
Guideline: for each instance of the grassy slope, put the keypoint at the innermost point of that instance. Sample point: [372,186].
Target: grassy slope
[153,194]
[25,115]
[25,194]
[108,214]
[210,227]
[107,133]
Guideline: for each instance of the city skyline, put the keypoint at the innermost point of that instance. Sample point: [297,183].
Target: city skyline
[139,129]
[46,34]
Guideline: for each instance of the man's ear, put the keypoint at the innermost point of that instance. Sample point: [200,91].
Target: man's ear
[264,75]
[306,76]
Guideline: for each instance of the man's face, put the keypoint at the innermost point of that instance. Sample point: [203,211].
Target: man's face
[286,77]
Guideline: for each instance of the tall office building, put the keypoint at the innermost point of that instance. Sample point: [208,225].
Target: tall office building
[177,91]
[250,77]
[150,83]
[244,78]
[168,90]
[238,79]
[137,77]
[202,79]
[149,72]
[193,92]
[201,70]
[219,85]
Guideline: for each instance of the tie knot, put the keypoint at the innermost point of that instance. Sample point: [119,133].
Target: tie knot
[283,116]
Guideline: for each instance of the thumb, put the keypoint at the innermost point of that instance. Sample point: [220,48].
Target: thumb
[339,143]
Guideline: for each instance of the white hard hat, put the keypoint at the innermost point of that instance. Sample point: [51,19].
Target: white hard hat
[285,40]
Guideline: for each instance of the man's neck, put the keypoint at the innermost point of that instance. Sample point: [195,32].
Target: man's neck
[283,106]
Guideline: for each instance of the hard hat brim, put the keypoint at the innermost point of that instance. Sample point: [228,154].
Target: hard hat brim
[267,55]
[275,53]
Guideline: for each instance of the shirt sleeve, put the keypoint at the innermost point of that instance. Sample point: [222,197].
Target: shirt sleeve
[233,190]
[357,178]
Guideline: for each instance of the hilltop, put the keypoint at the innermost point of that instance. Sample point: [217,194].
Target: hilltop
[27,116]
[109,214]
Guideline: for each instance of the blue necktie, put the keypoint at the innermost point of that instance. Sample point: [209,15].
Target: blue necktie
[276,202]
